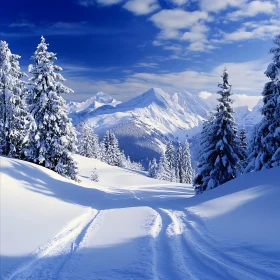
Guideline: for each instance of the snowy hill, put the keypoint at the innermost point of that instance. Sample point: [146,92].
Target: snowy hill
[145,123]
[128,226]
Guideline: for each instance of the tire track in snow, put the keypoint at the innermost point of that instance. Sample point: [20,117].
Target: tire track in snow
[171,262]
[50,259]
[206,246]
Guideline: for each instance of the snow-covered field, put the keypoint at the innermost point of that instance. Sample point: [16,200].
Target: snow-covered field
[129,226]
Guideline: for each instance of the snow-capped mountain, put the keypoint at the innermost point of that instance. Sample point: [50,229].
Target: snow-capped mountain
[99,100]
[145,123]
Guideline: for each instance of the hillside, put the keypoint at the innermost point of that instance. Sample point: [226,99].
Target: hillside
[129,226]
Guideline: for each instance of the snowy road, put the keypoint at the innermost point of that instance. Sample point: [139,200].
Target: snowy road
[132,227]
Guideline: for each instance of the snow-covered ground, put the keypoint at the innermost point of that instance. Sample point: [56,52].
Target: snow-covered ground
[128,226]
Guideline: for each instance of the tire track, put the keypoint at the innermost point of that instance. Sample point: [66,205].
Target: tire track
[206,249]
[50,259]
[176,263]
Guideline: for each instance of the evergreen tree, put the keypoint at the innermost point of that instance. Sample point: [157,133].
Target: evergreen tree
[253,153]
[115,156]
[170,157]
[178,164]
[13,113]
[187,171]
[170,154]
[88,145]
[110,151]
[94,175]
[205,162]
[153,167]
[243,147]
[266,152]
[53,139]
[163,172]
[222,158]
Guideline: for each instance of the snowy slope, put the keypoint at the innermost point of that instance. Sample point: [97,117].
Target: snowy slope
[128,226]
[144,124]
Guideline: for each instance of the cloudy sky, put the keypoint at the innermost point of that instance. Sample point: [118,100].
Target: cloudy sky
[124,47]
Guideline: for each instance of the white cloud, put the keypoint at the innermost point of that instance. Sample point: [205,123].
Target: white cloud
[252,9]
[88,3]
[246,78]
[253,30]
[197,33]
[179,2]
[239,99]
[141,7]
[218,5]
[177,19]
[172,24]
[147,64]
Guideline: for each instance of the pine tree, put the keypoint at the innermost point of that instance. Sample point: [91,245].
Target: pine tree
[94,175]
[88,144]
[170,154]
[223,155]
[153,167]
[187,171]
[115,156]
[110,150]
[243,147]
[266,152]
[104,147]
[13,112]
[178,164]
[205,162]
[170,157]
[53,139]
[253,151]
[163,172]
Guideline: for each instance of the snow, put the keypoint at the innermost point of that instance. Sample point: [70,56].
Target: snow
[129,226]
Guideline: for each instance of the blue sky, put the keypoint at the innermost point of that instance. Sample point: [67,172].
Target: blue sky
[124,47]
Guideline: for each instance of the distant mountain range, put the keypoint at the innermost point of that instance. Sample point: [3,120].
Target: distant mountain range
[147,122]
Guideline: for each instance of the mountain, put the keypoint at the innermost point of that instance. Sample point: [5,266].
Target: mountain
[129,226]
[145,123]
[100,99]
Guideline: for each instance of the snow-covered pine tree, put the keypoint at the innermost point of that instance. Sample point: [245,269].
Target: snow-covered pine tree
[243,147]
[223,160]
[104,147]
[205,162]
[110,151]
[94,175]
[227,163]
[170,157]
[266,152]
[13,112]
[163,172]
[54,138]
[178,163]
[153,167]
[187,171]
[88,144]
[253,151]
[115,157]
